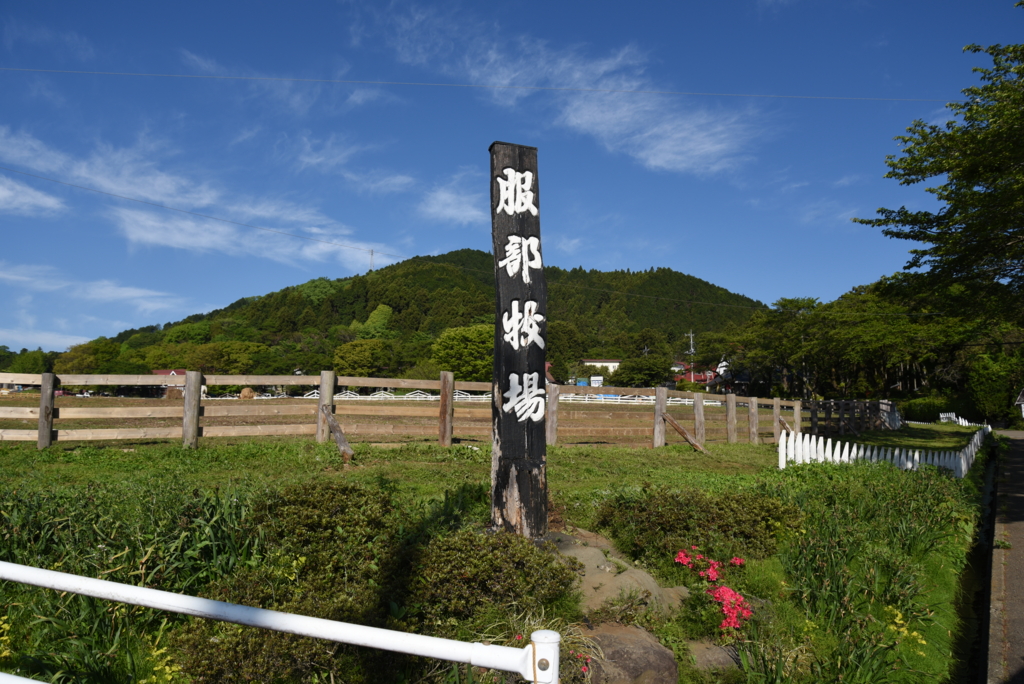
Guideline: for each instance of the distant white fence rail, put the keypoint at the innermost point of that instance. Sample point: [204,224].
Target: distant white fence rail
[795,449]
[952,418]
[537,662]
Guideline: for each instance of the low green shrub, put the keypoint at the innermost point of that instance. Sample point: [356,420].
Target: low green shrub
[653,524]
[461,575]
[352,553]
[927,409]
[333,552]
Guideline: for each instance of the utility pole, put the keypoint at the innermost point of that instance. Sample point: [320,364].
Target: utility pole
[692,353]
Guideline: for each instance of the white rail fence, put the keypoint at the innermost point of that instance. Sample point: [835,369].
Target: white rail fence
[537,662]
[795,449]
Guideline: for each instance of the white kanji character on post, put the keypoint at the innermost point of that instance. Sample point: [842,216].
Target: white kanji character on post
[515,194]
[521,254]
[527,400]
[522,328]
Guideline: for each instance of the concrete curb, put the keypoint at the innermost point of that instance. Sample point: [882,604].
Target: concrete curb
[1006,602]
[997,616]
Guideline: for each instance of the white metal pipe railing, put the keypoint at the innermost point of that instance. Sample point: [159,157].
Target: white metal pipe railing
[13,679]
[537,662]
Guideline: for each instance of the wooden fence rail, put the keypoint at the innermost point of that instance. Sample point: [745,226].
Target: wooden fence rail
[748,419]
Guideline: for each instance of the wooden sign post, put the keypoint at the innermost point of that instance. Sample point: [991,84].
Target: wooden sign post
[519,491]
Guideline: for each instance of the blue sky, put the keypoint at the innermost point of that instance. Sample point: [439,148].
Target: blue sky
[750,193]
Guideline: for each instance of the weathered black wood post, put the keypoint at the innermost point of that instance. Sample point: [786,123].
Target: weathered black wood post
[519,491]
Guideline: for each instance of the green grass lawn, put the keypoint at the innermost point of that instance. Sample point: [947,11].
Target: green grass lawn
[840,558]
[935,436]
[420,471]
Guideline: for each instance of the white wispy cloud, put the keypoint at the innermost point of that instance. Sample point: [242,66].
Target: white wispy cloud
[149,228]
[129,171]
[325,154]
[333,156]
[379,182]
[452,202]
[568,245]
[136,172]
[18,198]
[847,180]
[660,132]
[37,278]
[68,42]
[30,338]
[826,211]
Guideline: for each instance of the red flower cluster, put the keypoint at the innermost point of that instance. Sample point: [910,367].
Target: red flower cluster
[734,606]
[578,656]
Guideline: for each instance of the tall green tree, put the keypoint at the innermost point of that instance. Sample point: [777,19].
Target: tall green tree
[468,352]
[976,238]
[363,359]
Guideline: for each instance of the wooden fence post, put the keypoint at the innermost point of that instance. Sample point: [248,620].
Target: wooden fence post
[660,401]
[828,418]
[752,421]
[699,433]
[813,406]
[447,417]
[730,418]
[49,382]
[323,429]
[190,412]
[842,410]
[776,418]
[798,416]
[551,429]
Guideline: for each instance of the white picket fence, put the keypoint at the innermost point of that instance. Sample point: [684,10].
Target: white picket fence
[798,448]
[952,418]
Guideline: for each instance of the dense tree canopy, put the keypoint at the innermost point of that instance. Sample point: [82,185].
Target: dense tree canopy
[976,238]
[409,306]
[467,352]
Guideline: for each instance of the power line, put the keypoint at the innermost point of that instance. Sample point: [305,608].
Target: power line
[485,86]
[373,252]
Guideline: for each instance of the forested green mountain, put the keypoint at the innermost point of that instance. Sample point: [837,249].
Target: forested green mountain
[406,307]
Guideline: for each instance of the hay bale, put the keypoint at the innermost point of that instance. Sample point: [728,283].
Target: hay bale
[174,393]
[247,393]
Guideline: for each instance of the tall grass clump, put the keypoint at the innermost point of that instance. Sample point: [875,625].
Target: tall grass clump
[875,571]
[173,539]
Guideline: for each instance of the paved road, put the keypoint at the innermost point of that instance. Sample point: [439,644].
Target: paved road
[1006,629]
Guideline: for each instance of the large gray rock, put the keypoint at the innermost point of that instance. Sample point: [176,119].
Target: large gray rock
[631,656]
[608,574]
[709,656]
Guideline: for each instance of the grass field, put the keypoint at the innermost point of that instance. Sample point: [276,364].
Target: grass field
[842,584]
[936,436]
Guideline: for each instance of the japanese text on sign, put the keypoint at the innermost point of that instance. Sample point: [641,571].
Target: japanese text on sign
[526,399]
[515,193]
[521,254]
[522,328]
